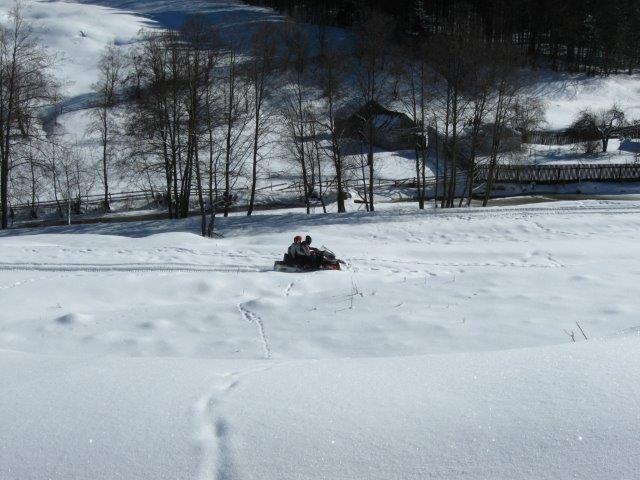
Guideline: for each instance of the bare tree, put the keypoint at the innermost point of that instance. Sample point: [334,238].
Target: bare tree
[236,118]
[527,114]
[156,117]
[71,179]
[25,86]
[602,123]
[481,78]
[415,73]
[201,55]
[333,69]
[28,179]
[296,110]
[508,86]
[315,155]
[263,49]
[449,58]
[111,73]
[371,77]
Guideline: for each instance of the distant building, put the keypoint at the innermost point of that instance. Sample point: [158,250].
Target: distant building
[391,130]
[510,140]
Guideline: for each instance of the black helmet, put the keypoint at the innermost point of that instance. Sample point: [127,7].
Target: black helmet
[307,239]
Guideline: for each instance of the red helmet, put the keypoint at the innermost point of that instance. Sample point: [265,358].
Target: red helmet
[297,239]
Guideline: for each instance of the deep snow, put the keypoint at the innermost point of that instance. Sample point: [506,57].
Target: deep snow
[144,351]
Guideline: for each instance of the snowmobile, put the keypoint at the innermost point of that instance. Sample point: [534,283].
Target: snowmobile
[328,261]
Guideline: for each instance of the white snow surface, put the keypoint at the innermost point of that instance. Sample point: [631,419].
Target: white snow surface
[76,35]
[566,95]
[143,351]
[79,31]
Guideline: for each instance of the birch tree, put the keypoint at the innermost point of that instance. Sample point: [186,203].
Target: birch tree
[111,75]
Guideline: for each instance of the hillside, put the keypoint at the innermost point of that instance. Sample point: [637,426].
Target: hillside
[442,350]
[454,343]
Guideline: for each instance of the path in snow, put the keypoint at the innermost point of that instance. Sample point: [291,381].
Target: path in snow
[256,320]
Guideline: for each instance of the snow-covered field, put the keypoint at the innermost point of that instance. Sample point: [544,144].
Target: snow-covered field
[565,94]
[619,151]
[142,351]
[76,35]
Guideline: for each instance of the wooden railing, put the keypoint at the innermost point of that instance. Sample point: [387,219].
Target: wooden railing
[540,174]
[572,173]
[136,200]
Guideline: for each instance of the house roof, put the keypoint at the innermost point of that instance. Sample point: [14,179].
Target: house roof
[383,118]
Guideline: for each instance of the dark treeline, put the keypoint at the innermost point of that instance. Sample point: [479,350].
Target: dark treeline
[593,36]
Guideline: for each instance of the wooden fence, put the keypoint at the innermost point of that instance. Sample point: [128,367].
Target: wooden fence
[567,137]
[135,200]
[525,174]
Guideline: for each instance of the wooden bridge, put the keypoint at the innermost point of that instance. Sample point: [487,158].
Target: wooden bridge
[568,173]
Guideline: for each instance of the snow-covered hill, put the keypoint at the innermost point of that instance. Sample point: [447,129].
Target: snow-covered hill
[79,31]
[234,17]
[566,95]
[453,346]
[77,34]
[142,351]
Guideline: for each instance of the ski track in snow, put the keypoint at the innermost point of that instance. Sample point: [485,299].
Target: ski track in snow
[256,319]
[401,265]
[129,268]
[525,212]
[383,264]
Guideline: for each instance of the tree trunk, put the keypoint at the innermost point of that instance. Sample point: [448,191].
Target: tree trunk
[203,212]
[254,170]
[105,137]
[337,157]
[370,163]
[227,166]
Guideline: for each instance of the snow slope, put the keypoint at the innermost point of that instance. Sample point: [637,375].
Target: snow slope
[59,24]
[233,16]
[144,351]
[566,94]
[77,34]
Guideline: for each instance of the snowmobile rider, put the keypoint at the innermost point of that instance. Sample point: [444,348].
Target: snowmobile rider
[298,254]
[295,248]
[307,245]
[313,253]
